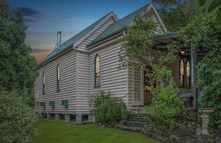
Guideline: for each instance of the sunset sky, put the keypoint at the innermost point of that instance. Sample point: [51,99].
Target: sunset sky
[45,17]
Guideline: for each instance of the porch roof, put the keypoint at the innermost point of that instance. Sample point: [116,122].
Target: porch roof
[164,39]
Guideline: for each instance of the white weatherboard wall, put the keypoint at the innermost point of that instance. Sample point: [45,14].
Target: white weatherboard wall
[67,63]
[95,34]
[111,79]
[82,83]
[83,69]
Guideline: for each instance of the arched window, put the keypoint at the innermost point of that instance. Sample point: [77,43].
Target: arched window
[43,83]
[181,72]
[188,70]
[58,78]
[97,71]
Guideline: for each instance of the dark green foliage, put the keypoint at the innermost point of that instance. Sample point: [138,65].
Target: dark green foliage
[138,43]
[203,32]
[129,113]
[137,51]
[176,14]
[202,2]
[17,120]
[213,6]
[106,108]
[166,107]
[98,98]
[109,111]
[17,66]
[209,80]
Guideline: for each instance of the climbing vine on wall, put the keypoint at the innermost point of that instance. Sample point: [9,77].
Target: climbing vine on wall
[204,34]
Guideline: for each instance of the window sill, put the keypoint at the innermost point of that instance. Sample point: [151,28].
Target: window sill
[43,93]
[97,86]
[58,90]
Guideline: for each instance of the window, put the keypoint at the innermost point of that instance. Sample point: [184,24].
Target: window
[58,78]
[97,71]
[188,70]
[181,72]
[43,83]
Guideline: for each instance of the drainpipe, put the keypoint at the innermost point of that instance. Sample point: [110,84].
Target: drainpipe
[58,40]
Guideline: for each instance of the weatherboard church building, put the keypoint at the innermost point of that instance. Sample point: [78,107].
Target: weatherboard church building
[87,63]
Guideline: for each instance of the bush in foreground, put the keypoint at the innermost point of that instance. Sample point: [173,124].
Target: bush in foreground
[166,107]
[17,120]
[106,108]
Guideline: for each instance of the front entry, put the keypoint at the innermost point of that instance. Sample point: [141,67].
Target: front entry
[147,95]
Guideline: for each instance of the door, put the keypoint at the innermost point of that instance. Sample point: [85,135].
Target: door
[137,82]
[147,95]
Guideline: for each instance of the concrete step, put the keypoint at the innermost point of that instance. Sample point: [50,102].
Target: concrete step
[142,115]
[132,129]
[136,123]
[141,119]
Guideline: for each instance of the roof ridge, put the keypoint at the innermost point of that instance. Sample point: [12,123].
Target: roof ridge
[74,38]
[85,28]
[122,22]
[133,12]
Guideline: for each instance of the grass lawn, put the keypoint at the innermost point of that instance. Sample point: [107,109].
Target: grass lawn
[51,131]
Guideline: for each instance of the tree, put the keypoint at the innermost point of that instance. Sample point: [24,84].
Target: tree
[204,34]
[176,14]
[213,6]
[17,66]
[17,122]
[137,50]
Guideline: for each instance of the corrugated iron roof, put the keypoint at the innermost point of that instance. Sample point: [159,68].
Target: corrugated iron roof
[120,24]
[168,34]
[72,40]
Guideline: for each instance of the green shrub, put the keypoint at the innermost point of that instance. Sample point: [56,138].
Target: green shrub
[204,34]
[209,80]
[17,120]
[98,98]
[166,107]
[106,108]
[129,113]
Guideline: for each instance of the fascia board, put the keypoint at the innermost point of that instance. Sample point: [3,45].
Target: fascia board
[158,17]
[95,28]
[55,57]
[148,8]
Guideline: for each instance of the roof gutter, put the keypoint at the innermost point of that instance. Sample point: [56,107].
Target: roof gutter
[60,53]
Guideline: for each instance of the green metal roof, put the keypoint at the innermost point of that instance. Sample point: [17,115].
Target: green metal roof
[120,24]
[168,34]
[72,40]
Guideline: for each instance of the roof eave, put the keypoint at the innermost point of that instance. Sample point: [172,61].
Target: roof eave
[92,43]
[61,52]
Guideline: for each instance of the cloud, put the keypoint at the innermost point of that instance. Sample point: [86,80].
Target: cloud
[31,15]
[30,20]
[59,19]
[28,11]
[39,50]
